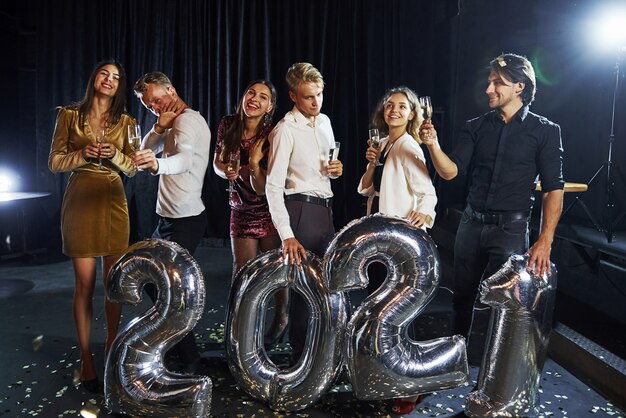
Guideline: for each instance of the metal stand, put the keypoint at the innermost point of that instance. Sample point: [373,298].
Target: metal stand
[607,223]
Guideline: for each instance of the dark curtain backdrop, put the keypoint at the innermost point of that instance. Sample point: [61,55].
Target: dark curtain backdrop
[211,49]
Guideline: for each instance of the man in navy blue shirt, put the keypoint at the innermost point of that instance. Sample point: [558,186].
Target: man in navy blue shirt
[503,153]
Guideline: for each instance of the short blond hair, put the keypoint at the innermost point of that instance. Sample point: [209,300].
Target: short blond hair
[303,72]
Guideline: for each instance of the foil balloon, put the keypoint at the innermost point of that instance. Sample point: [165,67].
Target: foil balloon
[303,384]
[519,332]
[136,381]
[382,360]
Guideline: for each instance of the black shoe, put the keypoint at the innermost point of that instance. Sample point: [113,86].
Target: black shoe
[92,386]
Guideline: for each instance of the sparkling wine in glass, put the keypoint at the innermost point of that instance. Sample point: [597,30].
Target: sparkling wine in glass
[134,139]
[427,107]
[100,140]
[232,165]
[375,141]
[333,153]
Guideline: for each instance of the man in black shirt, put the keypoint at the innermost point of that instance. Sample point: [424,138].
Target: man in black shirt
[502,152]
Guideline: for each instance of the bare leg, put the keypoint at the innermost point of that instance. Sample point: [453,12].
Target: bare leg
[85,280]
[244,249]
[281,297]
[112,311]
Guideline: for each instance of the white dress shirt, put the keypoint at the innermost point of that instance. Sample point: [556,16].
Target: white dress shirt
[298,158]
[182,165]
[405,184]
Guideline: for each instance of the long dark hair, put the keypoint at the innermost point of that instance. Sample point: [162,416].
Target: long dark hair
[118,104]
[234,133]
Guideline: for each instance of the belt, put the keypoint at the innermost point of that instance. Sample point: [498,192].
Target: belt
[326,202]
[497,217]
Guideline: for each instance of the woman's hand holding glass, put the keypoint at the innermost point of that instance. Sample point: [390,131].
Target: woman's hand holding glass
[134,141]
[374,143]
[232,170]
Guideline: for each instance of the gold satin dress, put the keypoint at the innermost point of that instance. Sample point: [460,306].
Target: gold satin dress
[94,214]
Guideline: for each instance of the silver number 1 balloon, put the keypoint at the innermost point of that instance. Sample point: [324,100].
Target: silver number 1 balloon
[136,381]
[519,332]
[382,360]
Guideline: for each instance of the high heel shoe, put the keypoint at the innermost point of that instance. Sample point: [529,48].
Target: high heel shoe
[403,406]
[276,333]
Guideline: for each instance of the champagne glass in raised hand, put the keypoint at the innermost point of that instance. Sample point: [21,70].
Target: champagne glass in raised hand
[427,107]
[100,140]
[134,140]
[232,165]
[375,141]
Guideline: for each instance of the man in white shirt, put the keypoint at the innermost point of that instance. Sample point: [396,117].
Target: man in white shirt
[298,181]
[183,137]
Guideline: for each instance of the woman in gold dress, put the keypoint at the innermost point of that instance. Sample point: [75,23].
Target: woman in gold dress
[90,141]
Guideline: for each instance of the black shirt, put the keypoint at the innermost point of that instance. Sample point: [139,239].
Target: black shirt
[504,160]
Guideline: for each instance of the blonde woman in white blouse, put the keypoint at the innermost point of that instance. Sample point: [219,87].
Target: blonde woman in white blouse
[401,185]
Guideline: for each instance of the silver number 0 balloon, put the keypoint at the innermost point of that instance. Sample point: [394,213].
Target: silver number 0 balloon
[136,382]
[301,386]
[382,360]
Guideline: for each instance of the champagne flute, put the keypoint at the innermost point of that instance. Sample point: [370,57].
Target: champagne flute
[99,140]
[134,140]
[233,165]
[375,141]
[333,153]
[426,106]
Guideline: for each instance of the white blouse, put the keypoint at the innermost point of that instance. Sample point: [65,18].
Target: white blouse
[405,183]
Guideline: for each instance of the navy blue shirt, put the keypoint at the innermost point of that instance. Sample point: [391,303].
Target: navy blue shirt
[505,160]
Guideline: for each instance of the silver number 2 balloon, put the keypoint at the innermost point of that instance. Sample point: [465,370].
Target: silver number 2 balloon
[519,332]
[382,360]
[136,381]
[301,386]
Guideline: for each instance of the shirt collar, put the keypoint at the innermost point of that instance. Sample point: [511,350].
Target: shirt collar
[520,116]
[299,118]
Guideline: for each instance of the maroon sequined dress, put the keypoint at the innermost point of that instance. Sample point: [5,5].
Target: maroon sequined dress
[249,213]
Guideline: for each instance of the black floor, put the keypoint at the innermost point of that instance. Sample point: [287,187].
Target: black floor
[39,356]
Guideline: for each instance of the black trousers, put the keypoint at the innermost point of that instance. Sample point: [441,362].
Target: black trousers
[480,250]
[186,232]
[313,227]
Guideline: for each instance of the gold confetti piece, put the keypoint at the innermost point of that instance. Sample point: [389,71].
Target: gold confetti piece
[89,411]
[37,342]
[76,377]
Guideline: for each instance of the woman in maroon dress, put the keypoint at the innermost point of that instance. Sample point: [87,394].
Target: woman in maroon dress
[244,134]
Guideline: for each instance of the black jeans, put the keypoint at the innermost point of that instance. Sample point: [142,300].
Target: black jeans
[480,250]
[186,232]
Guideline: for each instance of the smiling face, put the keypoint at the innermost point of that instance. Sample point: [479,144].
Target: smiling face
[157,97]
[308,98]
[503,93]
[257,101]
[397,111]
[107,80]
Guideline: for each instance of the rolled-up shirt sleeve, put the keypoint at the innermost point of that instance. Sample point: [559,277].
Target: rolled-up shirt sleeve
[551,160]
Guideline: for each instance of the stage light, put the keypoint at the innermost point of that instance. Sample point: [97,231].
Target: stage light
[9,182]
[609,27]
